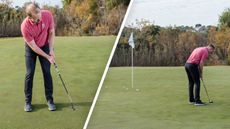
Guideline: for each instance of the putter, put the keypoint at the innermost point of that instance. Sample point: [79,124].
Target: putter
[210,101]
[63,84]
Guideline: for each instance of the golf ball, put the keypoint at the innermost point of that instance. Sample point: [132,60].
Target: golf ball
[137,89]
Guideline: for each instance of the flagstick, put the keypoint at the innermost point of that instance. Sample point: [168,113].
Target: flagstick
[132,67]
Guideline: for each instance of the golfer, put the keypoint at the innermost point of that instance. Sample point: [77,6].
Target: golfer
[194,70]
[38,32]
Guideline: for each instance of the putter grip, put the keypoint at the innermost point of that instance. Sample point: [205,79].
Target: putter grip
[55,65]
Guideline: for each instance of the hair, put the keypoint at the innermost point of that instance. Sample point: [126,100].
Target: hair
[35,6]
[212,46]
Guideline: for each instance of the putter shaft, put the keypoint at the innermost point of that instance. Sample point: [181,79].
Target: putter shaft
[63,84]
[206,91]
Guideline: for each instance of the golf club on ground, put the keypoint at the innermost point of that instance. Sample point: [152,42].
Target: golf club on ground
[210,101]
[59,74]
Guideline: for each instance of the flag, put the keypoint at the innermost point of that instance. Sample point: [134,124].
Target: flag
[131,41]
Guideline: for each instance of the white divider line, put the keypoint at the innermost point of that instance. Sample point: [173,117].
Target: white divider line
[107,66]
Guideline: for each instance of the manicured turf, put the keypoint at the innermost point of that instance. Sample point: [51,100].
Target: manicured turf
[161,102]
[81,61]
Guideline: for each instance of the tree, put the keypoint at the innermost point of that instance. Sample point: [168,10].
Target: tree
[77,17]
[115,3]
[224,18]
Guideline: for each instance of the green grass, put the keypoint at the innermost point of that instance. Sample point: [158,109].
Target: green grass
[81,61]
[162,100]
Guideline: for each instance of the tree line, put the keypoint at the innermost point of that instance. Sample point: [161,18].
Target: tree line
[75,18]
[171,46]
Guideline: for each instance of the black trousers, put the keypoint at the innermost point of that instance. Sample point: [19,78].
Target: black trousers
[193,74]
[30,58]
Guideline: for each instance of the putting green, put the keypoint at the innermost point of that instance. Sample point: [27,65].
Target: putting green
[161,100]
[81,62]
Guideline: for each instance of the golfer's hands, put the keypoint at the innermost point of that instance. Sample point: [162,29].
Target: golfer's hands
[201,76]
[51,59]
[52,53]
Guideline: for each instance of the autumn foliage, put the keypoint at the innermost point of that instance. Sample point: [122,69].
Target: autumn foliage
[75,18]
[171,46]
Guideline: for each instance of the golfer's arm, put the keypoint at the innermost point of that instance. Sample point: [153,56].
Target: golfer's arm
[36,49]
[201,68]
[51,39]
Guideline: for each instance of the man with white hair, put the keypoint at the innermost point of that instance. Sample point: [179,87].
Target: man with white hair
[38,32]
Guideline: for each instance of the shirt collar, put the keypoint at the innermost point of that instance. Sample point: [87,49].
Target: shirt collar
[207,49]
[32,22]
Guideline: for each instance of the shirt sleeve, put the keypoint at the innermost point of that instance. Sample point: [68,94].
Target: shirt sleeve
[25,33]
[51,21]
[204,57]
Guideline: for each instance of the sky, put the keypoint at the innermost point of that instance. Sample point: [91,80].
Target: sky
[41,2]
[177,12]
[166,12]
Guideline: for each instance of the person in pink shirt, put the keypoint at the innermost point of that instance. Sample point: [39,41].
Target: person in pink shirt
[38,32]
[194,69]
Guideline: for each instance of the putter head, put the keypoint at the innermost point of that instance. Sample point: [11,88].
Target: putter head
[73,108]
[210,101]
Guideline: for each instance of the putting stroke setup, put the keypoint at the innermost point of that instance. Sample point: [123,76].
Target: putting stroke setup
[64,86]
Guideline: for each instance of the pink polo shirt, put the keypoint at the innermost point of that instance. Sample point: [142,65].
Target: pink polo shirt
[198,55]
[38,32]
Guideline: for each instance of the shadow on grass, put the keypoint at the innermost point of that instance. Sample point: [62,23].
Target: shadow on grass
[60,106]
